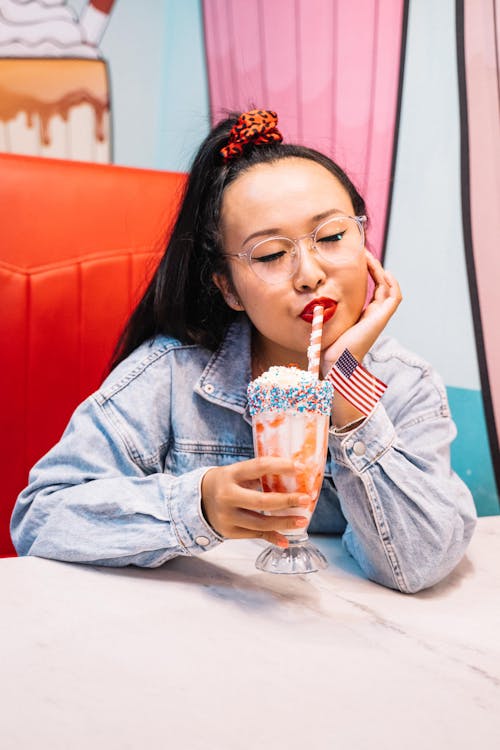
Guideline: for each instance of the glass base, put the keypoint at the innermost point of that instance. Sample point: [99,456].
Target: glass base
[300,557]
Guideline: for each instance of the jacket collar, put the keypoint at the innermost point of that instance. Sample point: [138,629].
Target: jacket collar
[225,379]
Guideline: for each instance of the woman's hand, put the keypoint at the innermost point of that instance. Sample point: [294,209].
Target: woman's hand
[232,502]
[363,334]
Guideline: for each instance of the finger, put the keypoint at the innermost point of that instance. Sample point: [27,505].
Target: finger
[271,536]
[386,286]
[257,467]
[393,284]
[377,272]
[269,501]
[373,262]
[380,275]
[259,522]
[274,537]
[277,539]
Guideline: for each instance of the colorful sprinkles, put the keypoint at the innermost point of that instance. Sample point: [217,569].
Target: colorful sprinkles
[275,393]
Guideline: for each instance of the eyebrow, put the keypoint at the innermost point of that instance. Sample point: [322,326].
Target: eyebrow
[276,230]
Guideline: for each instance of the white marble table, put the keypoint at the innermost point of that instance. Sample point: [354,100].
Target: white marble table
[209,653]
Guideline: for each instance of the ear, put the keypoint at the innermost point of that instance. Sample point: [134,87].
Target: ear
[226,289]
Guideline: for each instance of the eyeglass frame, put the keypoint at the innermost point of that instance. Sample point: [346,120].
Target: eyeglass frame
[247,254]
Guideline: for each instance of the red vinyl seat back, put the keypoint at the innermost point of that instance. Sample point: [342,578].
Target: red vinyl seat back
[78,243]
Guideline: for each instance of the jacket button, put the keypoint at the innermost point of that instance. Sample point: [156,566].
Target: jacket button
[203,541]
[359,448]
[208,388]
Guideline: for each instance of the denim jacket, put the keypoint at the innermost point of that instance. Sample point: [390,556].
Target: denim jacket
[122,486]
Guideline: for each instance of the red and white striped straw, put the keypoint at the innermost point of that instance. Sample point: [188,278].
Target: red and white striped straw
[314,350]
[94,18]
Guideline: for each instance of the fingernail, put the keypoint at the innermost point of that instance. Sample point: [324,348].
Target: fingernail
[304,500]
[301,522]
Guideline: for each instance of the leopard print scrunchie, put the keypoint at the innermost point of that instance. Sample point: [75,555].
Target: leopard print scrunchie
[257,126]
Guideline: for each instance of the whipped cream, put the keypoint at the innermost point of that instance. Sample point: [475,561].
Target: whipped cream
[281,389]
[48,28]
[284,377]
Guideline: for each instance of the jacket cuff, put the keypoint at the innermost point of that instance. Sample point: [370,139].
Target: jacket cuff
[365,444]
[193,532]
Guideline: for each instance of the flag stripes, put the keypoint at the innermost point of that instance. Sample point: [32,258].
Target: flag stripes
[358,386]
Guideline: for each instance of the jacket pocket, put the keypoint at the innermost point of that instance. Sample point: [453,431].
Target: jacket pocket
[184,456]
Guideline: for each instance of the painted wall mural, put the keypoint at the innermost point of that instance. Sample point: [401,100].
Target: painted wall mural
[402,94]
[54,88]
[478,42]
[331,71]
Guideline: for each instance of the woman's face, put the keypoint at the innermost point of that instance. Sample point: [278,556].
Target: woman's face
[285,198]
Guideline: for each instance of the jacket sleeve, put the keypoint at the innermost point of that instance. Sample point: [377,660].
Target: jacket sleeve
[410,517]
[89,500]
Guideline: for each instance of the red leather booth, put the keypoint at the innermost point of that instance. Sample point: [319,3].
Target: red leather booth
[78,242]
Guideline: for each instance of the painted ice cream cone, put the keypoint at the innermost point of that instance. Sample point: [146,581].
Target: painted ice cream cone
[54,98]
[94,20]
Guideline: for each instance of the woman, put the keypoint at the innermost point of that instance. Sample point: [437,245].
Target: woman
[158,462]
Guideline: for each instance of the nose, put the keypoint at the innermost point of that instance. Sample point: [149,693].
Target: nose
[310,273]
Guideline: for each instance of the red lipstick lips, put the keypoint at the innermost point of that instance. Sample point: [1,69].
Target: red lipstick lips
[329,306]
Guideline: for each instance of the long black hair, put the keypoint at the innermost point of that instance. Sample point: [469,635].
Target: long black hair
[181,299]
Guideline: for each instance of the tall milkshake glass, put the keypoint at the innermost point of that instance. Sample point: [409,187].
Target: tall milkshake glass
[290,411]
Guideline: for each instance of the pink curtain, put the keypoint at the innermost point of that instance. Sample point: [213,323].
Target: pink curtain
[330,68]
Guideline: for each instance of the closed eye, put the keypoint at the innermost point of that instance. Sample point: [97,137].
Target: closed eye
[332,237]
[270,258]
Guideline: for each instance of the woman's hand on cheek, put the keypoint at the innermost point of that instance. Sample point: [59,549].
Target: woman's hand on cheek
[232,502]
[363,334]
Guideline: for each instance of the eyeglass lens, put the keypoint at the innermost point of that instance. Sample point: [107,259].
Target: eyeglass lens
[337,242]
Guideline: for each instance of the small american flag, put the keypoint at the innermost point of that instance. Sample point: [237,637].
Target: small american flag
[362,389]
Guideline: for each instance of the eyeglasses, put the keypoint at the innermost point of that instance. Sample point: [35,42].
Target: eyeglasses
[337,241]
